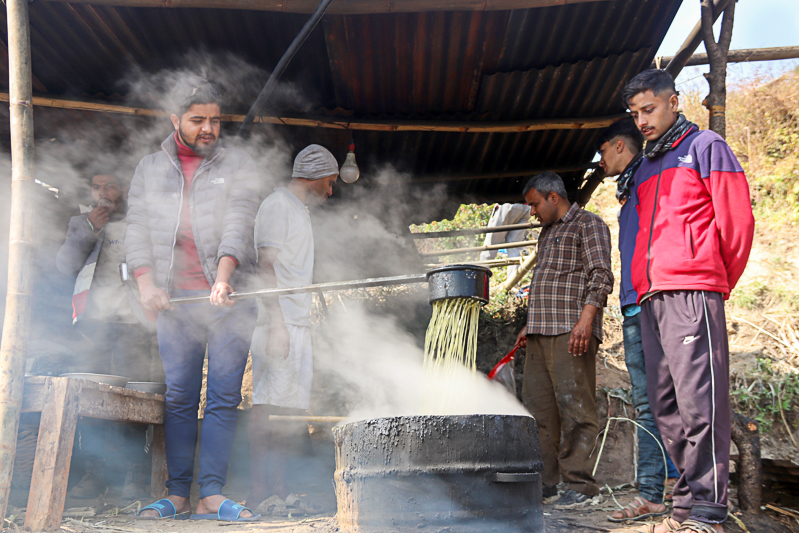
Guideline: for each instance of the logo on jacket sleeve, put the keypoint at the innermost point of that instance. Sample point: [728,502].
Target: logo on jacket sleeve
[686,159]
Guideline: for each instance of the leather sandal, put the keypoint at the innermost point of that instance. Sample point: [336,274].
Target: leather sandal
[638,509]
[670,523]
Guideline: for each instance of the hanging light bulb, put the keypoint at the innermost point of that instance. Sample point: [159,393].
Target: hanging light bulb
[349,170]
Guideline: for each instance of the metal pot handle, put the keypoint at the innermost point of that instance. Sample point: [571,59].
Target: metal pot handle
[504,477]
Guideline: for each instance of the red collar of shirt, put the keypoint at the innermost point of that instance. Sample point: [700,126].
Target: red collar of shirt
[183,150]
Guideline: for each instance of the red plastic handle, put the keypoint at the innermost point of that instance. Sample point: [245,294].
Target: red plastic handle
[505,360]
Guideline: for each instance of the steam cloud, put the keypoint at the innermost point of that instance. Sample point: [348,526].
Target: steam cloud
[361,232]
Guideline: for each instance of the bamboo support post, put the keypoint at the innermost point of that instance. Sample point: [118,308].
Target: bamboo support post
[16,324]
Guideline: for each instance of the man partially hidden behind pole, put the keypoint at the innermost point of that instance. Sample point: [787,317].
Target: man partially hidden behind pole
[106,312]
[569,289]
[190,232]
[694,238]
[281,346]
[620,148]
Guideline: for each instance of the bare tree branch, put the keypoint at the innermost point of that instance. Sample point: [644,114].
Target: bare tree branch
[726,29]
[707,27]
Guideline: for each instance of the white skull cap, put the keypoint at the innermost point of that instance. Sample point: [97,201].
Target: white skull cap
[314,163]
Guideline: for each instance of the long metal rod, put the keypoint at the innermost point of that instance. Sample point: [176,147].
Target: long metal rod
[16,324]
[492,263]
[454,251]
[308,418]
[281,66]
[332,286]
[473,231]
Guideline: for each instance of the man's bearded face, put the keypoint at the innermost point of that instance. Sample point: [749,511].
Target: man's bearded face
[199,127]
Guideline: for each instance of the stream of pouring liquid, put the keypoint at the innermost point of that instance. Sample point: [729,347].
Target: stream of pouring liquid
[450,345]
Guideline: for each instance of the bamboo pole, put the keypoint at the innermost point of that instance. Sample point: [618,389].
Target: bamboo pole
[522,271]
[472,231]
[743,55]
[16,324]
[520,244]
[342,123]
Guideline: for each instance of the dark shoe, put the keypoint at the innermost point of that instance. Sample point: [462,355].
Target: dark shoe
[548,492]
[91,485]
[134,487]
[571,499]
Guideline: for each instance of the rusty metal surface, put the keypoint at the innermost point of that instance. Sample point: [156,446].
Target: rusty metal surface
[410,473]
[554,62]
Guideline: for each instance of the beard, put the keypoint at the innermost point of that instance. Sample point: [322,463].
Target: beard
[198,148]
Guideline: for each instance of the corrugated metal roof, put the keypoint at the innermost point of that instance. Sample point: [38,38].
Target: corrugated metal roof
[566,61]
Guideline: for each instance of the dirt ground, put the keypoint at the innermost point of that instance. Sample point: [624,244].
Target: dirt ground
[588,520]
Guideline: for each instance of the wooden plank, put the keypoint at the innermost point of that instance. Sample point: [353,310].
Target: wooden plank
[342,7]
[53,455]
[344,123]
[101,401]
[158,473]
[122,404]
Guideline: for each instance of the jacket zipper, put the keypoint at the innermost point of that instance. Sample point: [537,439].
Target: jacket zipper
[652,226]
[177,225]
[203,167]
[180,207]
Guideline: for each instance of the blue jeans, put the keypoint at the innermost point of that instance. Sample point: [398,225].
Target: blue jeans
[650,457]
[182,338]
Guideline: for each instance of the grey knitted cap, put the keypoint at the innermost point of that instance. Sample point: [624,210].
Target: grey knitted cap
[314,163]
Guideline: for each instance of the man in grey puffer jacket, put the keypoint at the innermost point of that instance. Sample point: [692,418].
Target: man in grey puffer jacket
[192,208]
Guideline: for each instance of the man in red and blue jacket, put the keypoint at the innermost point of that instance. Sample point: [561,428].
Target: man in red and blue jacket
[694,238]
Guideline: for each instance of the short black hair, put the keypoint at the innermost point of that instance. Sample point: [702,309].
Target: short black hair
[653,79]
[545,183]
[627,130]
[191,90]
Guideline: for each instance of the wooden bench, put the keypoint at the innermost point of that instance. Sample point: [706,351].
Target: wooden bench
[61,401]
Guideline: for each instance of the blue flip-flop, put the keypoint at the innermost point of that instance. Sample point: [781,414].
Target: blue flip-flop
[166,511]
[229,511]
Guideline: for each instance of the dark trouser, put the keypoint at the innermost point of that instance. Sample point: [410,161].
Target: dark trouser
[119,349]
[687,361]
[651,471]
[182,338]
[559,390]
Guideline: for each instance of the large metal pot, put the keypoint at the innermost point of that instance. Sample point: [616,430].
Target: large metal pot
[475,473]
[459,281]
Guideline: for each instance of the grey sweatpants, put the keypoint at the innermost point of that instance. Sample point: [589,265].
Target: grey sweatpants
[684,334]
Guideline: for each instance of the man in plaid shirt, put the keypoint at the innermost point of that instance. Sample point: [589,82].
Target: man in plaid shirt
[570,286]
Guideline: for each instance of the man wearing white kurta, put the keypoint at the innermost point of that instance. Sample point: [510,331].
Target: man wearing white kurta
[281,346]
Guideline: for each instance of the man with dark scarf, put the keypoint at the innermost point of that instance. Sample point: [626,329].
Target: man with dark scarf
[695,234]
[620,147]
